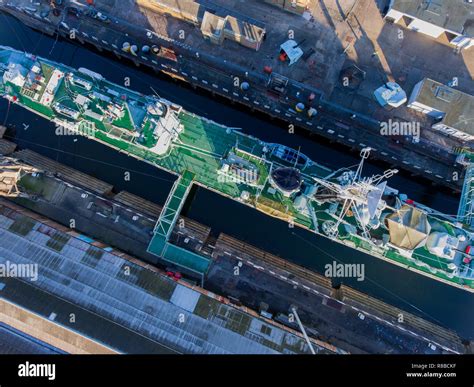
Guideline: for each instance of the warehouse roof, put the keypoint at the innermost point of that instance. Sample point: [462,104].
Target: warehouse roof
[452,15]
[458,107]
[180,318]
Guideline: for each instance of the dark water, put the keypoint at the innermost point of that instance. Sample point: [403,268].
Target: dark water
[437,302]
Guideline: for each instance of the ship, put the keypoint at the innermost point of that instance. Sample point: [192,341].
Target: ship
[361,212]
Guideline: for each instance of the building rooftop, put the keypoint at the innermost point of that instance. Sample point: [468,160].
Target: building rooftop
[174,315]
[186,9]
[457,106]
[453,15]
[14,342]
[214,19]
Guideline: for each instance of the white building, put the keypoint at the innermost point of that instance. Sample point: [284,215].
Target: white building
[16,74]
[453,108]
[390,94]
[454,18]
[292,51]
[52,87]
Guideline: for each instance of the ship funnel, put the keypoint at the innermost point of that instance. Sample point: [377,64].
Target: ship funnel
[286,180]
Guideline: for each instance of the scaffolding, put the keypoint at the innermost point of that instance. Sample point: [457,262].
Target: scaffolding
[10,174]
[466,205]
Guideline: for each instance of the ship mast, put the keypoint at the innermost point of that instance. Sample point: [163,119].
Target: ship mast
[358,193]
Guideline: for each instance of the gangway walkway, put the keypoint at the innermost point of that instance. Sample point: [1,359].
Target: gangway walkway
[160,245]
[466,204]
[174,203]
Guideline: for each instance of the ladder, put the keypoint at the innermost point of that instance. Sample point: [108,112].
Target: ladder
[466,205]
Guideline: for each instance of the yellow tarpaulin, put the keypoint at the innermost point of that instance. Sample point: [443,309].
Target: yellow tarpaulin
[408,227]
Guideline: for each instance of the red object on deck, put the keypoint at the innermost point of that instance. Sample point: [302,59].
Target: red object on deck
[410,201]
[90,2]
[283,56]
[468,250]
[467,260]
[267,69]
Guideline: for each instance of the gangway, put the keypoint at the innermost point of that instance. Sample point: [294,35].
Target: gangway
[174,203]
[466,204]
[160,246]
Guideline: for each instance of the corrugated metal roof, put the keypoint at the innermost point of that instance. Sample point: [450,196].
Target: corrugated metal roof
[133,296]
[185,298]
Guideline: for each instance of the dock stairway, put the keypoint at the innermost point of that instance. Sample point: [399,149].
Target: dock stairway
[209,245]
[160,246]
[466,204]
